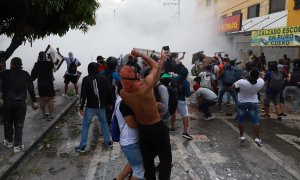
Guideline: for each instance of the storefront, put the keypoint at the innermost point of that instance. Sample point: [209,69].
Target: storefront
[242,41]
[278,41]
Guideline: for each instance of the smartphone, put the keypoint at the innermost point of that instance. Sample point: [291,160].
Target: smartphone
[166,48]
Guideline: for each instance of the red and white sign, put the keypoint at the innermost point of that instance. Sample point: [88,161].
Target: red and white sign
[231,24]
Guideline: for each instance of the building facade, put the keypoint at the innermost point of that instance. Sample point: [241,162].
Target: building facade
[271,27]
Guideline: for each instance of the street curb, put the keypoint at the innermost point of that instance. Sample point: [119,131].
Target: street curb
[20,156]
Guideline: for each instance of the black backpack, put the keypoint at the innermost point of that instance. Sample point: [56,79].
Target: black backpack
[72,69]
[276,82]
[173,98]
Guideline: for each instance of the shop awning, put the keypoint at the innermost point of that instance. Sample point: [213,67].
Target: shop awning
[269,21]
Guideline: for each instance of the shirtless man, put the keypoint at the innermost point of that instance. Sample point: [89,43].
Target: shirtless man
[154,135]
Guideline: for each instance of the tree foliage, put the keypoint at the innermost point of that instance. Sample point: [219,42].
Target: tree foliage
[27,20]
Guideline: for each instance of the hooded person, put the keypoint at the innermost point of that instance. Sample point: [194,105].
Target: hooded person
[43,72]
[16,83]
[71,75]
[95,97]
[183,90]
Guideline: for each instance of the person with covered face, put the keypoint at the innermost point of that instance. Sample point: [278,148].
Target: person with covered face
[71,76]
[138,94]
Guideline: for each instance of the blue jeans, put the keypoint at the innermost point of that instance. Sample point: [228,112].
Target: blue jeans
[248,110]
[89,113]
[231,92]
[135,159]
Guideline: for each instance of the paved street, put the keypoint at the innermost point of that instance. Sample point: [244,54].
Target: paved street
[215,152]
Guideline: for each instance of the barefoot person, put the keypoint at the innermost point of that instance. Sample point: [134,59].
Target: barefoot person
[154,135]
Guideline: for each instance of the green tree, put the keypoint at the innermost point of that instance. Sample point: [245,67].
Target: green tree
[28,20]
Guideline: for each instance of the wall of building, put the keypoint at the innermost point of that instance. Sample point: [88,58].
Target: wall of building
[293,15]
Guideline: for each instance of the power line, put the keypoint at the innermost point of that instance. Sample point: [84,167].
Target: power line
[178,10]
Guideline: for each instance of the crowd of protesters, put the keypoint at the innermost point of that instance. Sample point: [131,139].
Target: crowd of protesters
[146,97]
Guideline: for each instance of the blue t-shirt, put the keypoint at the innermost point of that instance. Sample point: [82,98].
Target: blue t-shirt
[115,76]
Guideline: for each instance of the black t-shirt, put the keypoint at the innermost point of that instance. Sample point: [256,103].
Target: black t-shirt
[125,109]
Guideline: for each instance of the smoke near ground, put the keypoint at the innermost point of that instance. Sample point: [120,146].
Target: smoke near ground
[122,25]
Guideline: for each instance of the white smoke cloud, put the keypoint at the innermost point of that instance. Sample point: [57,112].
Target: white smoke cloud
[134,23]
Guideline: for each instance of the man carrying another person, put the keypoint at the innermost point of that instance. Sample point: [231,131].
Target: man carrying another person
[154,135]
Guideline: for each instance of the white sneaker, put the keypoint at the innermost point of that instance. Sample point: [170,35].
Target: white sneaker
[18,149]
[242,139]
[208,118]
[7,144]
[63,95]
[258,142]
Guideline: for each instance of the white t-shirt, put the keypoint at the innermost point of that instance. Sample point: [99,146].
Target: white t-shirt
[248,92]
[68,61]
[206,79]
[128,135]
[206,94]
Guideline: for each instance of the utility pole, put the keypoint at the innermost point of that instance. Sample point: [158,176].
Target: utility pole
[178,8]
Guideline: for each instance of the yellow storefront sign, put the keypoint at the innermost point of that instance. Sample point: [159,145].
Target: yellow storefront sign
[284,36]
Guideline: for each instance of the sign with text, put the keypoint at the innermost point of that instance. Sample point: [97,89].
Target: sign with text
[284,36]
[231,24]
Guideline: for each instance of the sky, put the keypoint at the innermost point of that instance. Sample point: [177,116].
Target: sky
[126,24]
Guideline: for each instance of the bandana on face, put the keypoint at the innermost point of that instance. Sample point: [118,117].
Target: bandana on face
[130,78]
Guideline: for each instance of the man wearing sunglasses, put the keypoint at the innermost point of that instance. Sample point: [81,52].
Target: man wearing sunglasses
[139,96]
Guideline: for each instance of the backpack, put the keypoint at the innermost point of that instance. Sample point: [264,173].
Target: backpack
[115,129]
[206,80]
[173,100]
[156,93]
[177,87]
[276,82]
[72,69]
[229,78]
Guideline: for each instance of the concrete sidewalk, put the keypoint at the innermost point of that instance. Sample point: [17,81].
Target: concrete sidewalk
[35,128]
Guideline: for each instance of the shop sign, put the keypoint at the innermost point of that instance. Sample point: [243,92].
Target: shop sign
[284,36]
[231,24]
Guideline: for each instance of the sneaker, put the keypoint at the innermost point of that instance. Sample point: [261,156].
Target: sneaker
[7,144]
[50,118]
[187,136]
[18,149]
[242,139]
[108,145]
[64,95]
[46,115]
[258,142]
[279,117]
[282,114]
[80,149]
[172,130]
[208,118]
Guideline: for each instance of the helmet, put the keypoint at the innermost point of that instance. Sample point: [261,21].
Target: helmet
[111,62]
